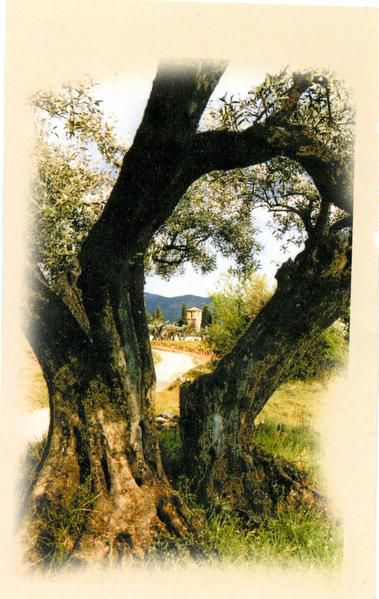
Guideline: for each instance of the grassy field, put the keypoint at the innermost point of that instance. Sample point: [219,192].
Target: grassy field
[287,426]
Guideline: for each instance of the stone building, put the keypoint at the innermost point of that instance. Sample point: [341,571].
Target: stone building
[194,318]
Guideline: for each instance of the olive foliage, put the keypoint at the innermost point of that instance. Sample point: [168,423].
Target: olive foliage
[282,186]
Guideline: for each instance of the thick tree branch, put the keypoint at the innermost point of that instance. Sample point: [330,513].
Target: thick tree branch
[142,197]
[226,150]
[168,155]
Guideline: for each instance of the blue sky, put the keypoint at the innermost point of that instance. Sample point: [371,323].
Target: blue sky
[124,98]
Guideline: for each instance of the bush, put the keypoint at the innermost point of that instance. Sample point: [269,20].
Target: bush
[172,453]
[232,310]
[325,353]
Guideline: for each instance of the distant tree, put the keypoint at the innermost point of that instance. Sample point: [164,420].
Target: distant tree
[237,304]
[206,317]
[158,314]
[183,321]
[232,309]
[257,292]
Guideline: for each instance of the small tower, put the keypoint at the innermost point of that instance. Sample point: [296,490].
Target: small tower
[194,318]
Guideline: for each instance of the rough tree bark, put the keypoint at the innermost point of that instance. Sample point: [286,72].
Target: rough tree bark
[91,337]
[217,411]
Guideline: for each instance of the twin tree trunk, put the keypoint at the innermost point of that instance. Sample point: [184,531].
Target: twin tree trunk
[100,483]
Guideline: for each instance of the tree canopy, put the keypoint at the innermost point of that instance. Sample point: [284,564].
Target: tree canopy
[79,156]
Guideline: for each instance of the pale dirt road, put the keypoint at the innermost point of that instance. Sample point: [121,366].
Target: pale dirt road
[171,366]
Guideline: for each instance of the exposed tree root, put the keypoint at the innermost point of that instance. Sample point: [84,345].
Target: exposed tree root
[256,482]
[79,528]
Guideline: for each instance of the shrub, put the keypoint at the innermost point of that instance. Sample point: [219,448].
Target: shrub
[172,452]
[326,352]
[232,309]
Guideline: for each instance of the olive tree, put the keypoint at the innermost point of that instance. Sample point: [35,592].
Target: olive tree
[88,327]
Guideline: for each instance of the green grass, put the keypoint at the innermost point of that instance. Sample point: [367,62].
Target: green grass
[30,461]
[60,525]
[287,426]
[303,537]
[297,443]
[172,453]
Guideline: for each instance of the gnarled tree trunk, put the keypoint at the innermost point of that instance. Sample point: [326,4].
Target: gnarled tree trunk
[93,345]
[217,411]
[102,440]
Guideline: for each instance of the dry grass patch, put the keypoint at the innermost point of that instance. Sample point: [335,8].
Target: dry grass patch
[191,345]
[33,386]
[296,402]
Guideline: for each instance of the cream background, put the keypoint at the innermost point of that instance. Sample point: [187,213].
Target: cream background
[50,42]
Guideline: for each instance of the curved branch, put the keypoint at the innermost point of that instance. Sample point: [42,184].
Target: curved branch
[142,198]
[226,150]
[168,155]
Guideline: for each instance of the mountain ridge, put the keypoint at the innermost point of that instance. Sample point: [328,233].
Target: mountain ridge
[172,306]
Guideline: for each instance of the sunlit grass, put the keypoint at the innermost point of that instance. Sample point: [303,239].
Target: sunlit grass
[156,357]
[303,536]
[189,345]
[34,389]
[295,402]
[297,443]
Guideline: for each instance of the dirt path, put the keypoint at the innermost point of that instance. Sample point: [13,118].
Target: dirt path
[171,365]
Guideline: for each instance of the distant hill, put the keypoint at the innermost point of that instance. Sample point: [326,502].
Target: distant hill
[172,306]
